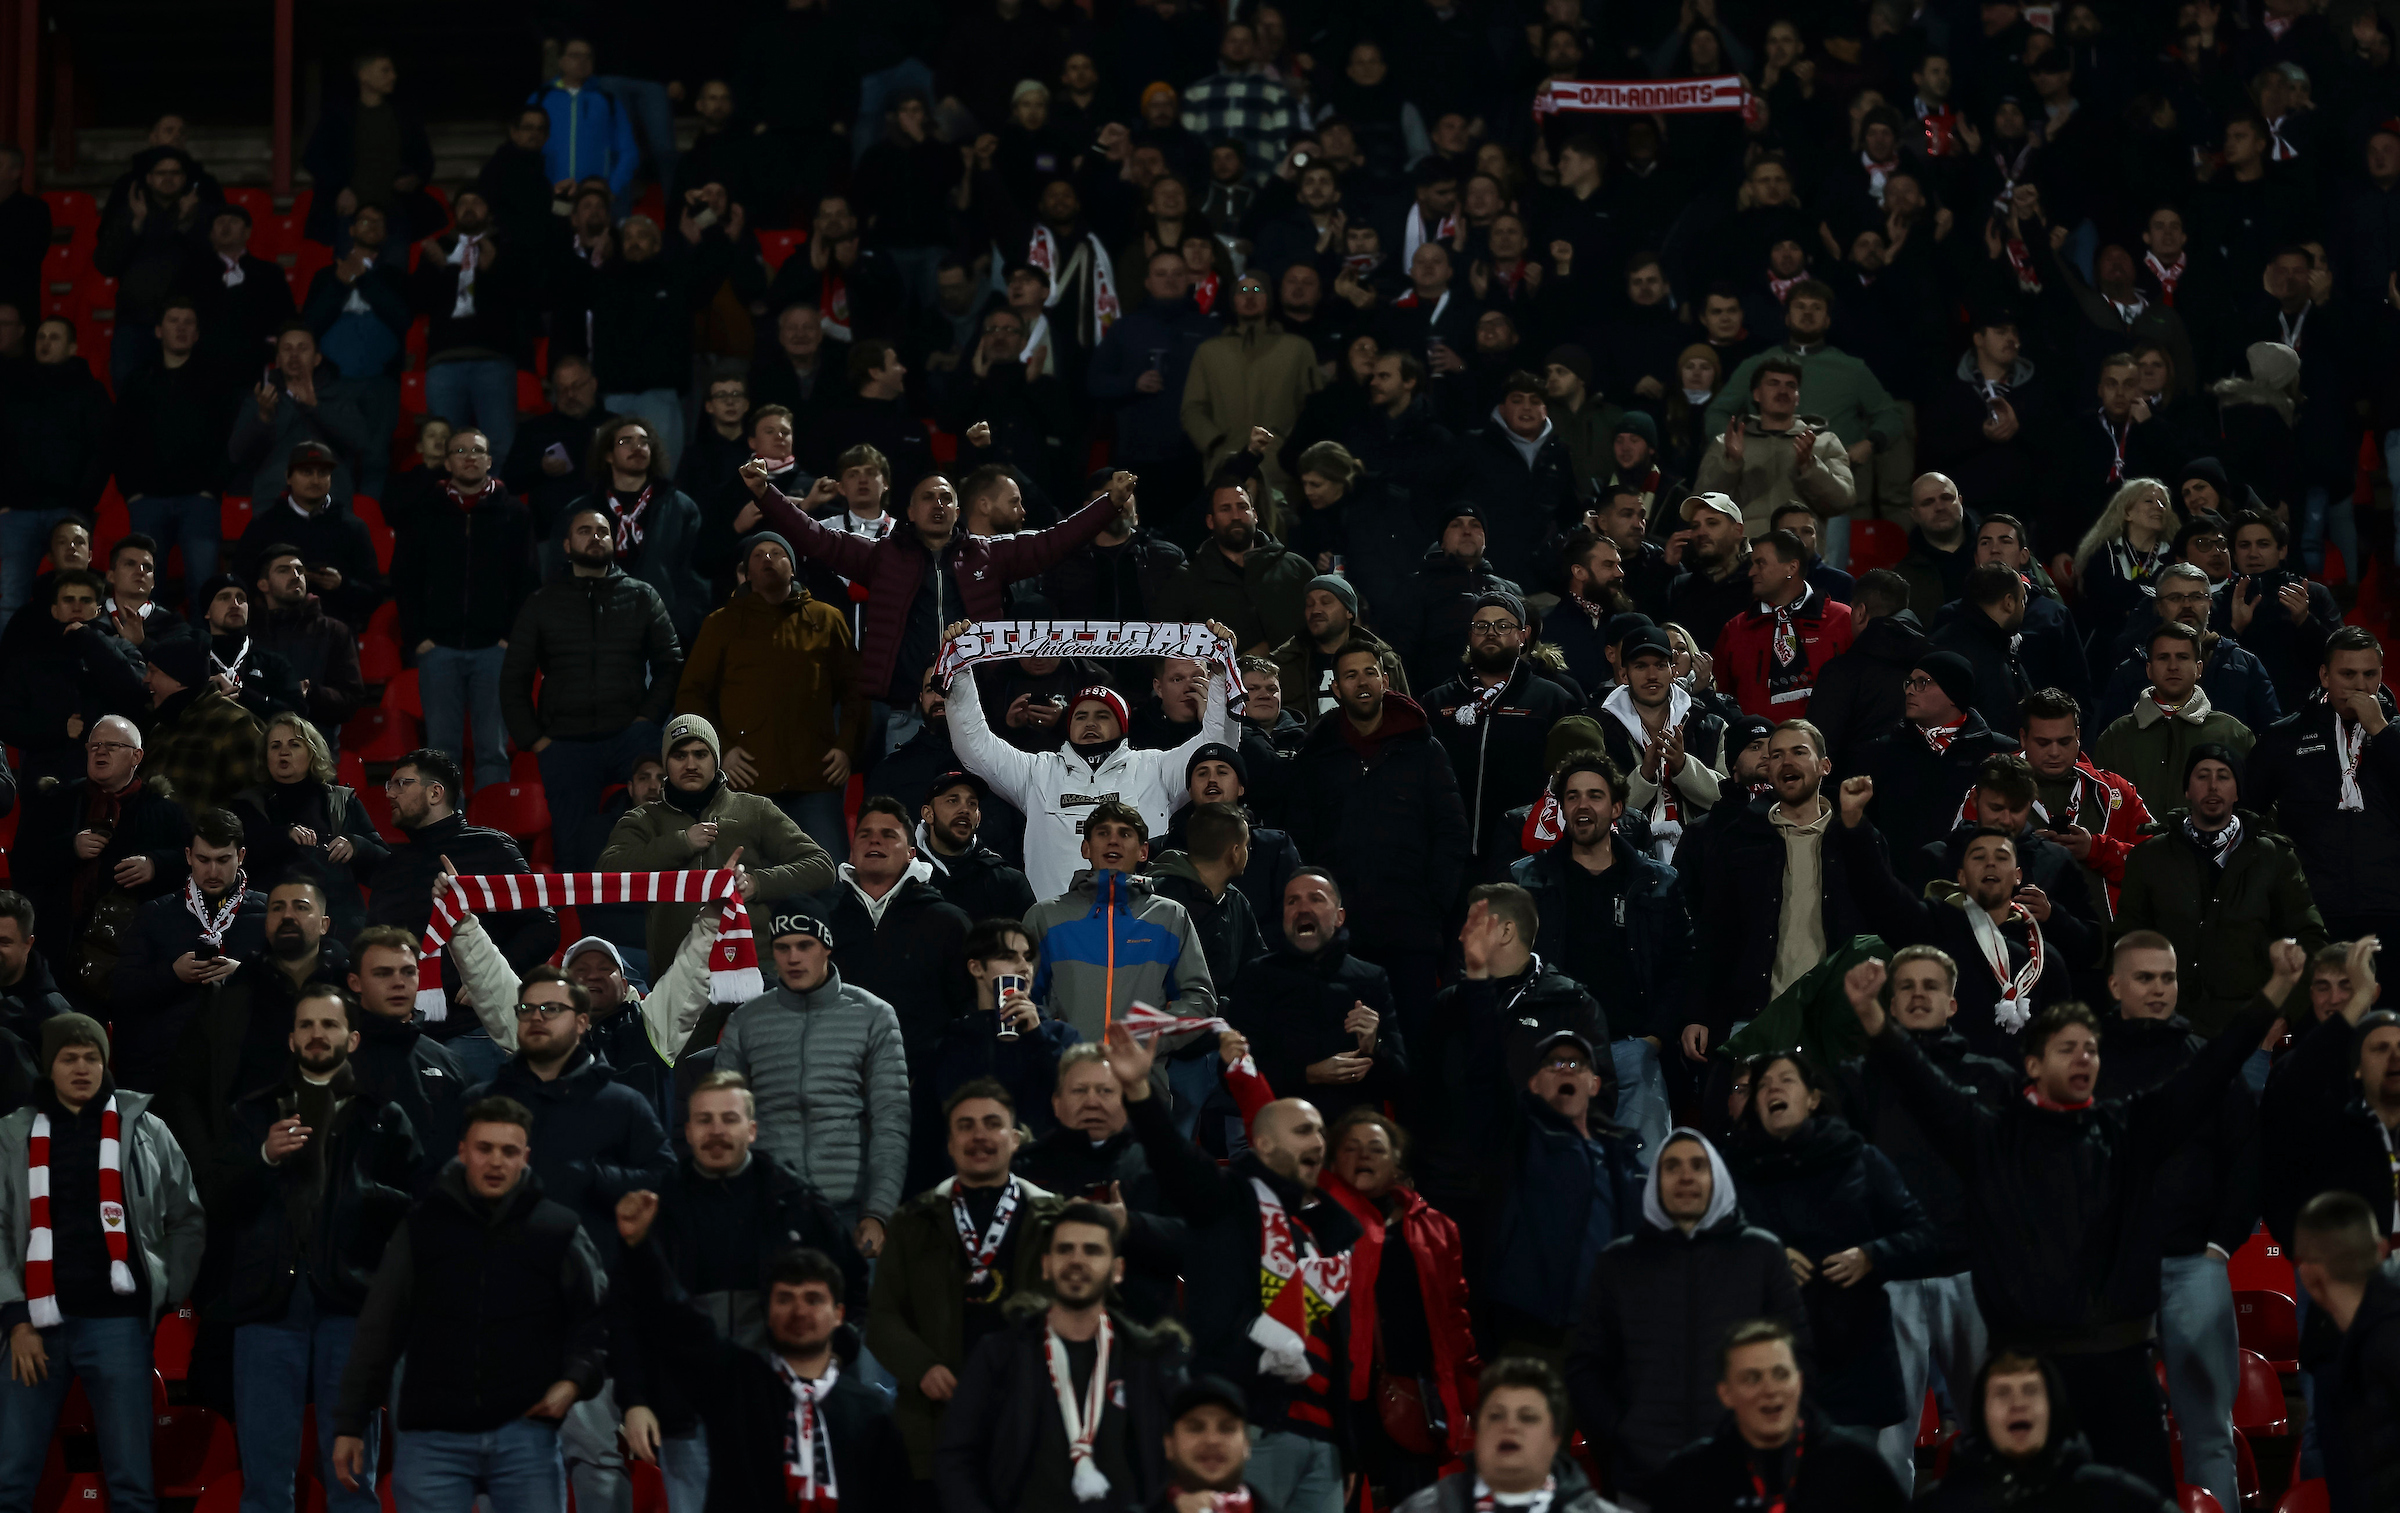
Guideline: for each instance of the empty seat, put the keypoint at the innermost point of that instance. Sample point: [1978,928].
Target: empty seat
[2270,1325]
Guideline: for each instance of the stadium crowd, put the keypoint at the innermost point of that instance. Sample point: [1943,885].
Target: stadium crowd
[1692,810]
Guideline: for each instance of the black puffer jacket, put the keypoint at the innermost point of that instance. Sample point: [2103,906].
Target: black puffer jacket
[2066,1254]
[399,1065]
[1839,1471]
[600,1141]
[1391,828]
[978,881]
[607,654]
[1874,1109]
[2206,1193]
[1857,698]
[1821,1192]
[323,653]
[1642,1361]
[1228,931]
[459,575]
[2351,858]
[370,1159]
[1918,790]
[2316,1133]
[1429,626]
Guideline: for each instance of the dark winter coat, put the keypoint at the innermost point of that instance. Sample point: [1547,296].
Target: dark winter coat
[1918,790]
[1839,1470]
[152,1004]
[599,1141]
[2221,918]
[459,575]
[269,811]
[2206,1193]
[1656,925]
[1502,759]
[323,653]
[607,653]
[2316,1132]
[1291,1005]
[369,1160]
[1857,699]
[995,1427]
[1741,872]
[2350,857]
[1874,1108]
[55,675]
[332,537]
[1390,826]
[403,896]
[1564,1190]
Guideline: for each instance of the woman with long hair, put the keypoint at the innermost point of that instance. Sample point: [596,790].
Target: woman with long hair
[303,823]
[1848,1224]
[2115,567]
[1412,1348]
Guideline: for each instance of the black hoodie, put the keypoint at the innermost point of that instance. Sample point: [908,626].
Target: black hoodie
[2059,1478]
[1858,698]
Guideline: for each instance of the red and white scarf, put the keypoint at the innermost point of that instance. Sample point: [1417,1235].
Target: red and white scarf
[808,1481]
[2282,150]
[733,962]
[1204,291]
[2167,274]
[1781,288]
[1043,253]
[2117,437]
[983,1250]
[629,519]
[1082,1420]
[1536,1501]
[1142,1021]
[1877,173]
[2015,1004]
[489,488]
[214,926]
[467,257]
[2020,262]
[41,1284]
[1939,737]
[1297,1288]
[2350,749]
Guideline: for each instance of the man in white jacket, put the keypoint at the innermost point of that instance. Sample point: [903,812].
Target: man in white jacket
[1057,789]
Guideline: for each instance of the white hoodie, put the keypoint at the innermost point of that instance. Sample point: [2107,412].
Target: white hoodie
[1056,789]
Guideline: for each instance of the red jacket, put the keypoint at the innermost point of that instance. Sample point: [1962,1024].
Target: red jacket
[1745,656]
[1441,1278]
[892,569]
[2120,814]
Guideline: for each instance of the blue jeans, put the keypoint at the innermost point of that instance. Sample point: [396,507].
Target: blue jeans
[920,270]
[517,1465]
[683,1465]
[479,392]
[873,90]
[130,347]
[2326,515]
[820,815]
[458,686]
[191,520]
[2202,1344]
[1641,1093]
[1937,1326]
[659,409]
[479,1055]
[574,771]
[278,1370]
[1298,1474]
[112,1358]
[653,114]
[24,537]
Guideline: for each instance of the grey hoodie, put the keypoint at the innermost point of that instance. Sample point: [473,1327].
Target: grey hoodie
[831,1079]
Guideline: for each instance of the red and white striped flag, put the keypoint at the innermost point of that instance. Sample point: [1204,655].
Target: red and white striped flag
[733,975]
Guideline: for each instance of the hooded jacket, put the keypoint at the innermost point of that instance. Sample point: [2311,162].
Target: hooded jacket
[1112,940]
[1857,698]
[1056,788]
[830,1076]
[2220,917]
[1821,1191]
[1258,598]
[1642,1358]
[2351,856]
[2059,1478]
[1527,491]
[2065,1251]
[1223,923]
[2152,747]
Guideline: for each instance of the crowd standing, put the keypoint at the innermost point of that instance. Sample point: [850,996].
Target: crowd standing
[1775,799]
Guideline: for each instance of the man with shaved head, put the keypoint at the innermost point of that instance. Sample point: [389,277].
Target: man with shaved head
[1257,1217]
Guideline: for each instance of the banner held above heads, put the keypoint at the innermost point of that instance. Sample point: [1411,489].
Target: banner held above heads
[1006,640]
[1724,92]
[733,975]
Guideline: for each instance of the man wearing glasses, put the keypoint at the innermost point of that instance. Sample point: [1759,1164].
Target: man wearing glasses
[2235,682]
[1494,719]
[106,841]
[657,524]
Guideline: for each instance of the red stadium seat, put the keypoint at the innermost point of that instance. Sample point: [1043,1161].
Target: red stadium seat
[233,516]
[1876,543]
[62,268]
[381,734]
[2258,1408]
[524,767]
[401,694]
[2197,1500]
[531,398]
[98,292]
[379,807]
[250,197]
[2270,1325]
[2245,1473]
[1929,1423]
[378,657]
[775,246]
[171,1351]
[517,809]
[2261,1266]
[2305,1497]
[191,1450]
[412,394]
[75,212]
[350,770]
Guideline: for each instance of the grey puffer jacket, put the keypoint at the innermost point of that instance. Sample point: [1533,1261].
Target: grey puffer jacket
[831,1078]
[167,1219]
[1456,1493]
[608,654]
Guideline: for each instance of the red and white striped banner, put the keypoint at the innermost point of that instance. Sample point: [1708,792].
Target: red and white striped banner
[1621,97]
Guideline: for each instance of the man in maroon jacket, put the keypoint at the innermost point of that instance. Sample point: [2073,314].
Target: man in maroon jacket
[921,579]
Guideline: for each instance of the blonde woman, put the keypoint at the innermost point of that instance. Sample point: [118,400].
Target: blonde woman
[302,822]
[2117,563]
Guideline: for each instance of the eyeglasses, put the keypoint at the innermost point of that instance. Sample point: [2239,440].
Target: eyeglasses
[1491,627]
[106,748]
[1916,685]
[1564,1064]
[543,1010]
[633,439]
[395,784]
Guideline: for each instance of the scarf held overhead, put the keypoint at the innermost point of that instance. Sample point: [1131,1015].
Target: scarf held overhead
[1724,92]
[1006,640]
[733,975]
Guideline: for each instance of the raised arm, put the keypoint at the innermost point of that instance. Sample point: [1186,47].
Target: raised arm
[1200,1189]
[1014,774]
[1890,910]
[490,981]
[1032,553]
[1952,1116]
[846,554]
[680,996]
